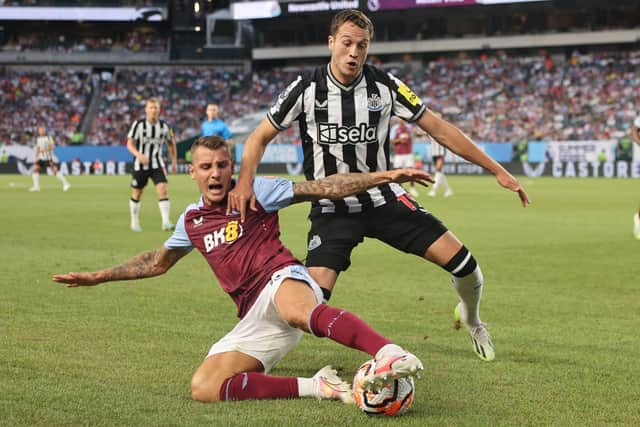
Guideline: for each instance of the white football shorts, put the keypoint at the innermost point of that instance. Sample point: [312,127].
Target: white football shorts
[262,333]
[403,161]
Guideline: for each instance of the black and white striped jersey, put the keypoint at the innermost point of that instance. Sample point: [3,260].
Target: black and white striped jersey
[346,128]
[44,144]
[149,138]
[436,148]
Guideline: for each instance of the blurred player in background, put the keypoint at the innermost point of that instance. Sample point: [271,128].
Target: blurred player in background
[635,137]
[438,155]
[344,111]
[276,297]
[402,141]
[44,159]
[145,140]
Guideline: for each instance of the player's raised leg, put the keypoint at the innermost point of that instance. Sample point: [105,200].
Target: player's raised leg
[299,307]
[467,280]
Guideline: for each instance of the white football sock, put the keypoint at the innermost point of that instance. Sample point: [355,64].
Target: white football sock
[307,387]
[165,208]
[469,289]
[62,178]
[134,209]
[443,182]
[438,184]
[36,180]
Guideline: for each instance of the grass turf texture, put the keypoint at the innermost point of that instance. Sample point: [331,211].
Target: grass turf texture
[561,296]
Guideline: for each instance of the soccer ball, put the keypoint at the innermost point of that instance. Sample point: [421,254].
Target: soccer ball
[392,400]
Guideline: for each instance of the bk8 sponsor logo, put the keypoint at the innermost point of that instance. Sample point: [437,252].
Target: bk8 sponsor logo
[224,235]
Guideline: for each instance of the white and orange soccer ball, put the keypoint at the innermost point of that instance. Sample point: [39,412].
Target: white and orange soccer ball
[392,400]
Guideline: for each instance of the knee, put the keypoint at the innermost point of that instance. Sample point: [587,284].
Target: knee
[206,388]
[298,316]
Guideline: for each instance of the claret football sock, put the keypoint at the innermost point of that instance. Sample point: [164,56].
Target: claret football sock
[345,328]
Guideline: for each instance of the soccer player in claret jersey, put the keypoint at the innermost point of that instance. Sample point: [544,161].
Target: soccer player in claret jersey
[276,297]
[344,110]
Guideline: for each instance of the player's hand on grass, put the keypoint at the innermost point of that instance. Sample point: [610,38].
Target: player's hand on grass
[411,175]
[238,198]
[508,181]
[73,280]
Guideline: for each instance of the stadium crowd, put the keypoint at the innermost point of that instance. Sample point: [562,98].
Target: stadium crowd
[54,99]
[495,98]
[125,41]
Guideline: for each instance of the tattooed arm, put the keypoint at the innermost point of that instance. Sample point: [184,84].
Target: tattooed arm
[347,184]
[147,264]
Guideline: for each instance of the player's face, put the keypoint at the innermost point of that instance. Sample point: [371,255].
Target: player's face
[152,111]
[212,112]
[212,170]
[42,131]
[349,48]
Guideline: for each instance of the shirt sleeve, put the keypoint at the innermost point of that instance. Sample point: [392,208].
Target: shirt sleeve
[179,239]
[226,132]
[288,106]
[406,104]
[132,130]
[636,122]
[273,193]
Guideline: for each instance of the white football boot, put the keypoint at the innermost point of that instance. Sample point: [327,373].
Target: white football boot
[480,337]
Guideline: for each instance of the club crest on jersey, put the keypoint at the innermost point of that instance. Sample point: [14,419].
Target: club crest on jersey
[331,133]
[223,236]
[374,102]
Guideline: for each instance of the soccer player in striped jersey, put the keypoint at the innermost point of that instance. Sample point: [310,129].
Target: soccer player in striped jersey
[145,141]
[276,297]
[438,155]
[635,137]
[344,110]
[44,159]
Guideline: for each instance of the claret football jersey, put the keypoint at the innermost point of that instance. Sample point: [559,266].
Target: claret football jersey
[243,255]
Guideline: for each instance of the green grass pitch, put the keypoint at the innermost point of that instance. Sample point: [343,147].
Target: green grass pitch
[562,297]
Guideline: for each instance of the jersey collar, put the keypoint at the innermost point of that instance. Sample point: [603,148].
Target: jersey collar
[336,82]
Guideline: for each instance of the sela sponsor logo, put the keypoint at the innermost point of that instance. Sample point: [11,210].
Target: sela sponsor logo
[331,133]
[374,102]
[223,236]
[197,222]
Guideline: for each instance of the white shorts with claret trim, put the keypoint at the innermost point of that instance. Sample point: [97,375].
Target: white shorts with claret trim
[404,161]
[262,333]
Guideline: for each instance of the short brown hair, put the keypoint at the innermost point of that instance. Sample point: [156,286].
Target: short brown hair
[355,17]
[211,142]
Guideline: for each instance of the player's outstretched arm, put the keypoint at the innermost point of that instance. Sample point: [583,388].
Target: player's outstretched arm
[147,264]
[455,140]
[347,184]
[252,153]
